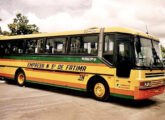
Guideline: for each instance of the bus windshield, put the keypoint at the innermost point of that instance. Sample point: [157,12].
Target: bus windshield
[147,53]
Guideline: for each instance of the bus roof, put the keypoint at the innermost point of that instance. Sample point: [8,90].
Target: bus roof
[78,32]
[129,31]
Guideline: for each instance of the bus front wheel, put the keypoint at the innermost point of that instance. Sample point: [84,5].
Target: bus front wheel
[20,78]
[100,91]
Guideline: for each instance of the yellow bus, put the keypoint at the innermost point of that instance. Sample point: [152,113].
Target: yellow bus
[101,61]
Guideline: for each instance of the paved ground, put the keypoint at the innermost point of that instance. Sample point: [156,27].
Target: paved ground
[37,102]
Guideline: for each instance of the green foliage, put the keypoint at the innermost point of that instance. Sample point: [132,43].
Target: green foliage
[6,33]
[163,51]
[0,31]
[20,26]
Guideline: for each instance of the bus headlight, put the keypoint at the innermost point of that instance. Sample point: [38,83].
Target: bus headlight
[148,84]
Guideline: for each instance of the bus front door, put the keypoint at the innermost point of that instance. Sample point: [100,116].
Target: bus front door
[123,65]
[124,59]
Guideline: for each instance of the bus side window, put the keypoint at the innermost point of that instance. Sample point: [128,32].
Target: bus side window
[7,47]
[86,45]
[75,45]
[35,46]
[18,46]
[21,45]
[108,47]
[90,45]
[56,45]
[31,46]
[40,48]
[2,48]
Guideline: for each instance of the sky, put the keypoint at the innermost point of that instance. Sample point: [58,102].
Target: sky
[63,15]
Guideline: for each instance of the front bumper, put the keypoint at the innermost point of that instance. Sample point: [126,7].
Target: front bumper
[146,93]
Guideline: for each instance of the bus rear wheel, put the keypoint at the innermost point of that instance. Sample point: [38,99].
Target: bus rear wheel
[20,78]
[100,91]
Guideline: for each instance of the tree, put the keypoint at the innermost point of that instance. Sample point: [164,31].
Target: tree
[163,51]
[0,31]
[6,33]
[21,26]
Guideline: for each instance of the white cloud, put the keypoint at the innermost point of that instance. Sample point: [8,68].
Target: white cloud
[61,15]
[59,22]
[7,18]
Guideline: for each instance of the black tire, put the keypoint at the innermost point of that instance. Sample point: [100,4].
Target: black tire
[100,90]
[20,78]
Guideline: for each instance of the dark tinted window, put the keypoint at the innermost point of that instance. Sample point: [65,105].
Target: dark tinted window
[12,47]
[2,47]
[35,46]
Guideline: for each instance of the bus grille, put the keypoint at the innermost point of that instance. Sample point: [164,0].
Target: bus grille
[149,75]
[157,82]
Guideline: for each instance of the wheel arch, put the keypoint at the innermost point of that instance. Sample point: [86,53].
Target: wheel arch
[93,79]
[18,70]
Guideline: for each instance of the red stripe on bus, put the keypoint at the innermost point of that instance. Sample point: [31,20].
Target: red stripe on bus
[6,75]
[62,83]
[122,92]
